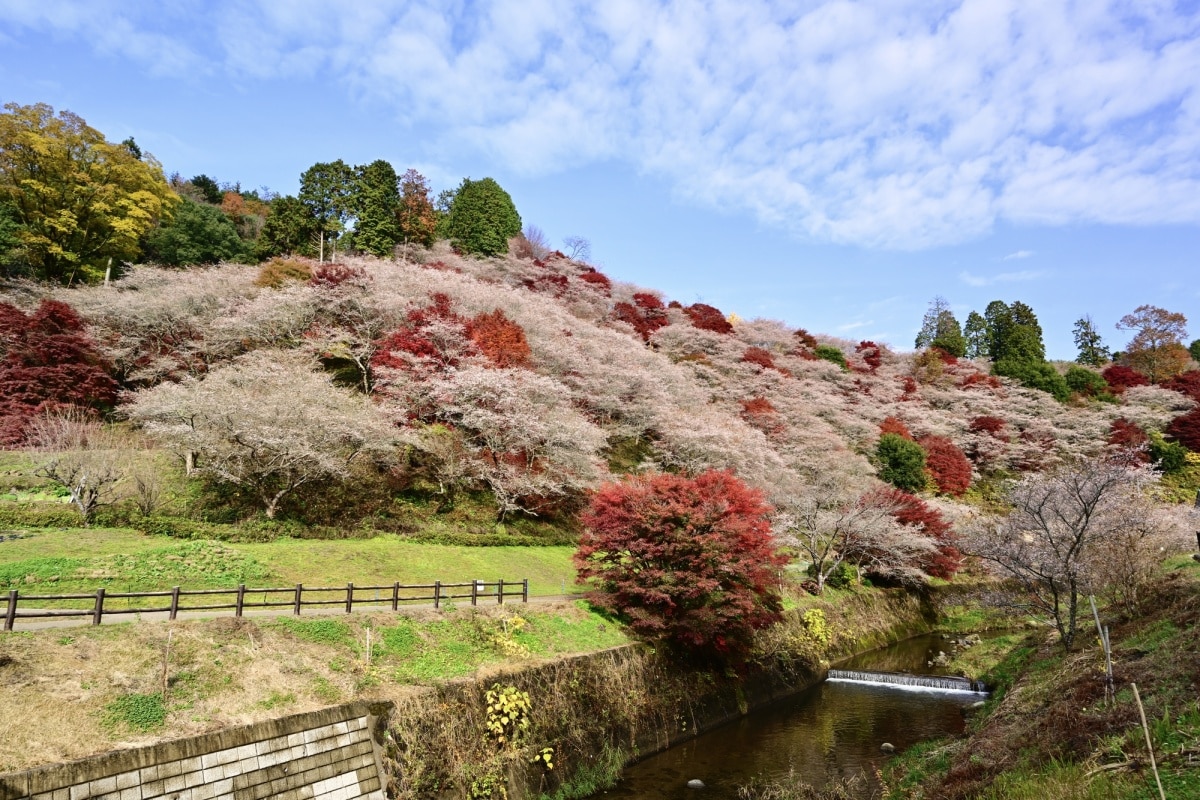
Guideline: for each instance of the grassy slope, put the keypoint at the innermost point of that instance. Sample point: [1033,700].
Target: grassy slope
[1048,732]
[68,693]
[47,561]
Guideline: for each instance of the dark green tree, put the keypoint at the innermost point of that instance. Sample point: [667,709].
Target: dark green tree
[1194,349]
[940,329]
[199,234]
[976,334]
[901,462]
[327,189]
[290,228]
[1036,375]
[375,203]
[1085,381]
[208,188]
[482,218]
[1091,347]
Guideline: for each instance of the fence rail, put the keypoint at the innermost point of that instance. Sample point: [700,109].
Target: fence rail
[245,598]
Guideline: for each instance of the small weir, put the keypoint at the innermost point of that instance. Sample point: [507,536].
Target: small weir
[943,683]
[833,730]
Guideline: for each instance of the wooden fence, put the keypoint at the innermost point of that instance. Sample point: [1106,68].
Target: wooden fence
[244,599]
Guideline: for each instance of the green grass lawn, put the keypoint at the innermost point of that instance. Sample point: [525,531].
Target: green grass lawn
[47,561]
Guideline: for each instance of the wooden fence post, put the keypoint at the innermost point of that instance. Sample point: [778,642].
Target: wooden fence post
[500,592]
[474,593]
[98,610]
[349,597]
[11,615]
[296,599]
[174,602]
[241,600]
[396,596]
[437,594]
[525,590]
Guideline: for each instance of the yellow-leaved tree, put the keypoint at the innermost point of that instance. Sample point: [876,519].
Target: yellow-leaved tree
[77,199]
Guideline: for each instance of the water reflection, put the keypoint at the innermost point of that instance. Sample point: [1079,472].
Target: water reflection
[830,731]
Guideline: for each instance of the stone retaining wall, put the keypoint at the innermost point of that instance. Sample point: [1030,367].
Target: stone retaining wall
[330,754]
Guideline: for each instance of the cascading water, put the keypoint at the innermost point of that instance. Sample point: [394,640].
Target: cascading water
[833,730]
[944,683]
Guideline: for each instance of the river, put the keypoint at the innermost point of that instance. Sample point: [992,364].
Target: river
[832,730]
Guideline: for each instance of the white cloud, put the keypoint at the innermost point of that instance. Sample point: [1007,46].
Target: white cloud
[852,326]
[905,125]
[1020,254]
[1003,277]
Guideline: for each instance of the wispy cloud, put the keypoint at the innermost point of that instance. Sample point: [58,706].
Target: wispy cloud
[1003,277]
[1018,255]
[902,125]
[853,326]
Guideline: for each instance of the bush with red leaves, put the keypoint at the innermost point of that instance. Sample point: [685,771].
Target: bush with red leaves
[759,413]
[550,283]
[910,388]
[981,380]
[1126,436]
[1119,378]
[646,314]
[500,339]
[872,354]
[945,356]
[689,561]
[47,360]
[947,464]
[1187,383]
[1185,429]
[757,355]
[896,426]
[597,279]
[327,276]
[916,513]
[708,318]
[806,339]
[992,426]
[411,348]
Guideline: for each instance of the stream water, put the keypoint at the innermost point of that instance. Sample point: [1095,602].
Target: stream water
[832,730]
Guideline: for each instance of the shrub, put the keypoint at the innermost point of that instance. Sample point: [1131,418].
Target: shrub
[500,339]
[1036,375]
[914,512]
[828,352]
[950,469]
[759,356]
[805,338]
[39,515]
[685,560]
[901,462]
[1168,457]
[872,354]
[1187,383]
[1119,378]
[1085,382]
[992,426]
[1185,429]
[896,426]
[708,318]
[597,279]
[279,271]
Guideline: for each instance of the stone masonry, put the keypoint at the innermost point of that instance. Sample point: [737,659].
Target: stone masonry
[330,754]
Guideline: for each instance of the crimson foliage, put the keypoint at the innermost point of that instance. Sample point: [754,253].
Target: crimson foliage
[1187,383]
[708,318]
[1120,378]
[500,339]
[1185,429]
[992,426]
[410,348]
[47,360]
[950,469]
[872,354]
[597,279]
[646,314]
[759,356]
[896,426]
[916,513]
[684,560]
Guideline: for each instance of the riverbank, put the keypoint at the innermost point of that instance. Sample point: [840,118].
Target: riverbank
[69,694]
[1050,731]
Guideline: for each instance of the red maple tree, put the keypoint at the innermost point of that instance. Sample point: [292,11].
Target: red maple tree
[947,464]
[47,360]
[684,560]
[500,339]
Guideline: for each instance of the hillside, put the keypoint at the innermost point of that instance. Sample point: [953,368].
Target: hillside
[532,381]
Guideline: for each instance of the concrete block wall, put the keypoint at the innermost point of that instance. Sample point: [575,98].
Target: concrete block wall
[330,754]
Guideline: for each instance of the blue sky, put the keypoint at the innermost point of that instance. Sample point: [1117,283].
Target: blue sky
[831,164]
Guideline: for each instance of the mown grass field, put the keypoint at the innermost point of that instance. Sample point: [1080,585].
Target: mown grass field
[48,561]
